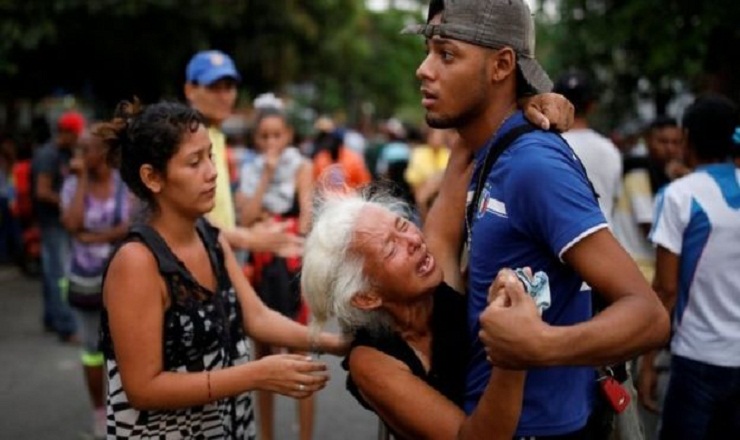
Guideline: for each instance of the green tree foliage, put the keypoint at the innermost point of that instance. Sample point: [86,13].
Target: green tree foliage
[657,42]
[106,50]
[376,65]
[393,63]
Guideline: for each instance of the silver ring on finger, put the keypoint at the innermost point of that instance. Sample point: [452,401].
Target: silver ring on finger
[301,387]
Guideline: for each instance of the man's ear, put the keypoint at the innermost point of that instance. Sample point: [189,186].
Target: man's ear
[503,64]
[151,178]
[189,90]
[366,301]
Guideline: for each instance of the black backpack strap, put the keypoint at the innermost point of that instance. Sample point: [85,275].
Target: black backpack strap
[169,263]
[166,260]
[494,152]
[210,234]
[582,166]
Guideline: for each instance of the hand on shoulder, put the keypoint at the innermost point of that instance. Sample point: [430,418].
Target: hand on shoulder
[549,111]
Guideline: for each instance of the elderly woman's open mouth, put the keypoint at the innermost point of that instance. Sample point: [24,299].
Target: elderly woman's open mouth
[426,265]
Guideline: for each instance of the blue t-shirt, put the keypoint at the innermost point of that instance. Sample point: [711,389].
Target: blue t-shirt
[536,204]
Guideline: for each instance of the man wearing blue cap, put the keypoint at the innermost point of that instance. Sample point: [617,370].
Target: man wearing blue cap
[211,88]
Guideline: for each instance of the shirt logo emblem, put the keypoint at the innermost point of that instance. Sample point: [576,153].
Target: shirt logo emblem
[496,207]
[490,205]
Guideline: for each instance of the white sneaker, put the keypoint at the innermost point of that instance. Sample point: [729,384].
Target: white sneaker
[100,422]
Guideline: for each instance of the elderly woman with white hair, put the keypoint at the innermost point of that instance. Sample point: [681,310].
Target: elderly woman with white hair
[396,293]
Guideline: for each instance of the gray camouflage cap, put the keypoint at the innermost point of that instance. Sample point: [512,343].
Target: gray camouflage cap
[493,24]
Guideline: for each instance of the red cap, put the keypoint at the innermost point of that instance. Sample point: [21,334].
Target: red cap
[71,121]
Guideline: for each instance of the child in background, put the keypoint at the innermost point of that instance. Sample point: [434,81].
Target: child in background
[277,185]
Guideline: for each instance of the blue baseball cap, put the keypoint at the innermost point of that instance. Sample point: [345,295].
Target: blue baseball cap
[207,67]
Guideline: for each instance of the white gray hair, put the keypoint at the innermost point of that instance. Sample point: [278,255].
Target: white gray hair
[332,272]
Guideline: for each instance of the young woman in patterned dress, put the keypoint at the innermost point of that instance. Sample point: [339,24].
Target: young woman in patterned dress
[177,309]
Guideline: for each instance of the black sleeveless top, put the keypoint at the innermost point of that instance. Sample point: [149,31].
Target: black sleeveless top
[202,331]
[449,348]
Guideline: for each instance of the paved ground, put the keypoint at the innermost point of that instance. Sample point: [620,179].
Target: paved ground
[42,395]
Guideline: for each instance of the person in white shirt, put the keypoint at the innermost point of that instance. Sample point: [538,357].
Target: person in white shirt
[598,154]
[697,234]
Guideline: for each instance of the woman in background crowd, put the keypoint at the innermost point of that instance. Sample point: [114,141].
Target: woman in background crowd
[95,211]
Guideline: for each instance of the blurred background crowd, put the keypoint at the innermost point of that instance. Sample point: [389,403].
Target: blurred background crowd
[335,64]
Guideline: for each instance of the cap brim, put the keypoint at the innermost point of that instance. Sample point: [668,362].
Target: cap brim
[445,30]
[413,29]
[536,77]
[218,73]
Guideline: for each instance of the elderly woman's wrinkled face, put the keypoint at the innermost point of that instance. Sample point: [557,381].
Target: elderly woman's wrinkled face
[397,260]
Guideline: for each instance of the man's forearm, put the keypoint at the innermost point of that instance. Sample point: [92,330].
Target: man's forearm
[444,224]
[235,238]
[263,241]
[627,328]
[648,360]
[667,296]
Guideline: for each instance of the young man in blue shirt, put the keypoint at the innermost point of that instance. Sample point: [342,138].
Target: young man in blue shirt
[536,209]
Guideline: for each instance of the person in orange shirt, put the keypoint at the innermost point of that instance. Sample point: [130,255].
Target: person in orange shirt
[336,165]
